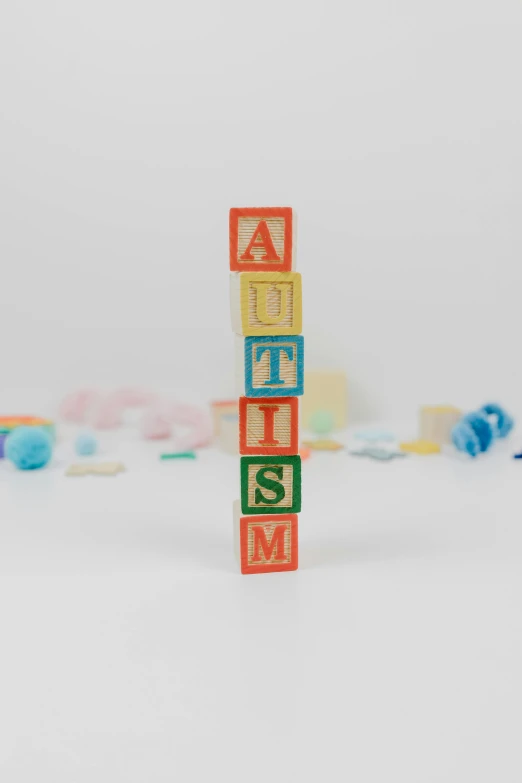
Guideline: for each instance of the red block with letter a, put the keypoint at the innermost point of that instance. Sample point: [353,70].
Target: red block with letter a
[269,425]
[267,543]
[261,239]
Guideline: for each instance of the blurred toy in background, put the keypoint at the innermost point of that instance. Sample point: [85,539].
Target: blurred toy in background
[95,469]
[10,423]
[219,409]
[228,438]
[86,444]
[29,447]
[420,447]
[324,404]
[478,430]
[436,423]
[374,452]
[189,425]
[321,422]
[374,435]
[323,444]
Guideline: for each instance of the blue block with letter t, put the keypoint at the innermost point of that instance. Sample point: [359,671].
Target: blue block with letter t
[270,366]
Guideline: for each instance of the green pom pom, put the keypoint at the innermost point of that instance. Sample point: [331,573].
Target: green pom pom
[321,422]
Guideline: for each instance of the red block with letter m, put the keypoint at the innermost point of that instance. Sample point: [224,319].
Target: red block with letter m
[266,543]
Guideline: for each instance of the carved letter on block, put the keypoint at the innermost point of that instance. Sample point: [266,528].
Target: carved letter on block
[266,303]
[265,543]
[261,239]
[268,425]
[271,485]
[270,366]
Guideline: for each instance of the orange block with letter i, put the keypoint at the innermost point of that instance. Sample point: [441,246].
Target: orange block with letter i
[265,543]
[268,425]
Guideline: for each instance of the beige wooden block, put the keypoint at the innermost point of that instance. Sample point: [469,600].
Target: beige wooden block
[228,438]
[220,408]
[95,469]
[266,303]
[325,390]
[437,421]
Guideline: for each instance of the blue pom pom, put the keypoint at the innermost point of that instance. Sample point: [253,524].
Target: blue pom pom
[465,439]
[86,444]
[500,419]
[29,447]
[482,429]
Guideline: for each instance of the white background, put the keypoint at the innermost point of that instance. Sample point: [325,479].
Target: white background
[130,648]
[130,128]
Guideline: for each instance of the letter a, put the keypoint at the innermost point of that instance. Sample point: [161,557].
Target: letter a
[277,543]
[265,241]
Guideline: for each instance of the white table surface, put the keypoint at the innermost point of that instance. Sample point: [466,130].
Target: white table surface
[132,649]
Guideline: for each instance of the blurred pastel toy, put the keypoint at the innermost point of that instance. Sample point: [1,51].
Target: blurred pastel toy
[3,436]
[422,447]
[9,423]
[29,448]
[109,413]
[477,431]
[374,436]
[76,407]
[95,469]
[500,419]
[179,455]
[323,445]
[156,425]
[167,417]
[228,439]
[325,391]
[86,444]
[321,422]
[384,455]
[220,408]
[437,421]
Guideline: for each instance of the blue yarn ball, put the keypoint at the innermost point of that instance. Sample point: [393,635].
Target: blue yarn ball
[482,429]
[86,444]
[465,439]
[29,447]
[500,419]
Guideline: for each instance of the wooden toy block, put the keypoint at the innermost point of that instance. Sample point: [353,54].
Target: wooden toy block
[437,421]
[271,484]
[220,408]
[261,239]
[228,438]
[95,469]
[326,391]
[268,425]
[266,303]
[267,543]
[269,366]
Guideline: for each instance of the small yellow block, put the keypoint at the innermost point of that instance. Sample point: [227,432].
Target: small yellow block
[420,447]
[323,445]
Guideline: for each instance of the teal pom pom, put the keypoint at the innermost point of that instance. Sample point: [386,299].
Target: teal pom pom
[321,422]
[29,447]
[86,444]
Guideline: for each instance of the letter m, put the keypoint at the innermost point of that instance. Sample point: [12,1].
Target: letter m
[269,550]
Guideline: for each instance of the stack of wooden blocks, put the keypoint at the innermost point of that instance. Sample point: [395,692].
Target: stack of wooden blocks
[266,307]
